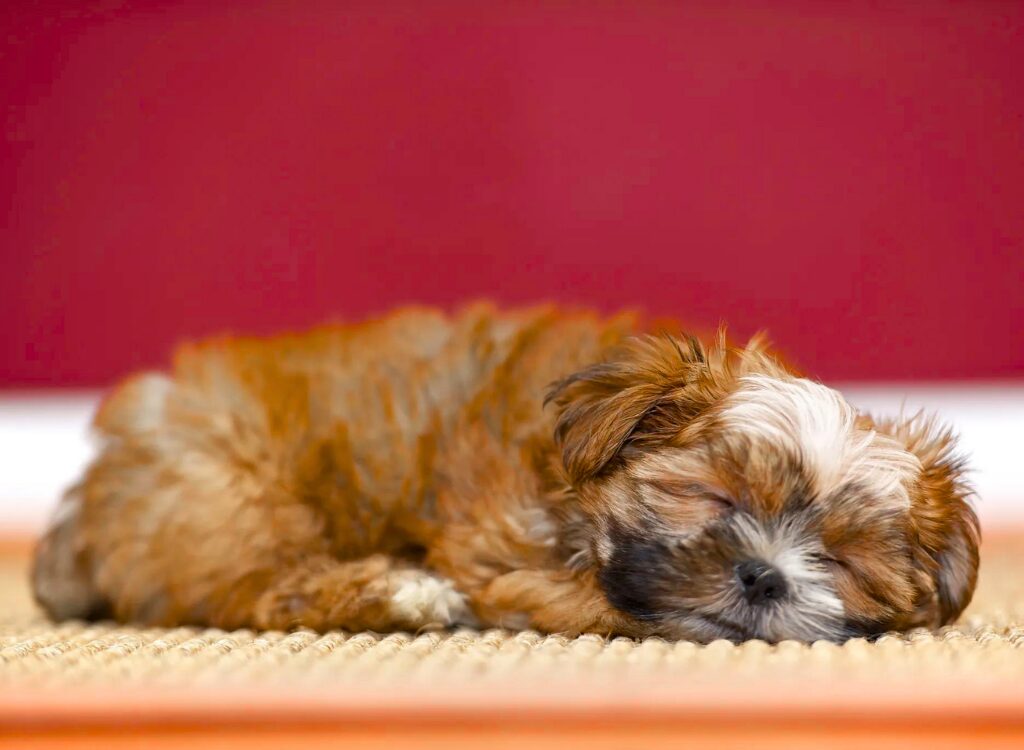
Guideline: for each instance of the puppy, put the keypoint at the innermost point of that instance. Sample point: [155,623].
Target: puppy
[527,469]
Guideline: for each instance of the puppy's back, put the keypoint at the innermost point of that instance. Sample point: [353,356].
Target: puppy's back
[320,423]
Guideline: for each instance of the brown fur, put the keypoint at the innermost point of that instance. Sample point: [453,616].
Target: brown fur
[305,480]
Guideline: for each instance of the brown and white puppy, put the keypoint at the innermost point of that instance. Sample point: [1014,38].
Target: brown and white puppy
[406,473]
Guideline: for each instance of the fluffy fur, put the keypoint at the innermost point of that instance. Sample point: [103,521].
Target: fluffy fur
[408,472]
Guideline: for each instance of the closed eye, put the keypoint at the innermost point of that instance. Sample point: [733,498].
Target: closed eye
[829,561]
[724,504]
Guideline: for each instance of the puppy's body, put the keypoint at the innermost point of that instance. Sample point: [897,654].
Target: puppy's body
[405,473]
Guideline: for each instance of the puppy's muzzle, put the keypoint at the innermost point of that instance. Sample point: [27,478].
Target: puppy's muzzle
[761,583]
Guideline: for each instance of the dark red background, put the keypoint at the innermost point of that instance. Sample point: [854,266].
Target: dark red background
[851,178]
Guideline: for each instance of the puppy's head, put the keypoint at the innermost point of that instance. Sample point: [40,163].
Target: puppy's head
[725,497]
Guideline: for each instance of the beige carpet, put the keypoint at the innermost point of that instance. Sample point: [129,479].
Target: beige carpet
[987,645]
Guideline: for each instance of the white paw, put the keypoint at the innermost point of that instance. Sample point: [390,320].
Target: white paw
[424,600]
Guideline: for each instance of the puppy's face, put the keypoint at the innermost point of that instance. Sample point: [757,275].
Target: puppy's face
[726,498]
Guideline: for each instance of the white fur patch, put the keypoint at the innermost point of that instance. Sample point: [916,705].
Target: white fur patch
[817,424]
[427,600]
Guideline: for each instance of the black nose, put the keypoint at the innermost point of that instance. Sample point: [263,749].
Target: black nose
[761,582]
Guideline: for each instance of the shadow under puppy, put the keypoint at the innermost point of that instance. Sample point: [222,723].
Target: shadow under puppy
[422,470]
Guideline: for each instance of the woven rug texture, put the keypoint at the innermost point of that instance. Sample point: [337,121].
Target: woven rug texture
[987,644]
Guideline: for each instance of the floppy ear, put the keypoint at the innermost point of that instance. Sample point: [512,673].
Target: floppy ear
[601,407]
[944,520]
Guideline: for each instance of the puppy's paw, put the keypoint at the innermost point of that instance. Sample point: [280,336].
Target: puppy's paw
[421,600]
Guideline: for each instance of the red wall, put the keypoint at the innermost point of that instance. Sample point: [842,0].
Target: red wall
[850,178]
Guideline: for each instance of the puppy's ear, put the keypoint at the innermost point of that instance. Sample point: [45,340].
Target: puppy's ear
[601,408]
[944,520]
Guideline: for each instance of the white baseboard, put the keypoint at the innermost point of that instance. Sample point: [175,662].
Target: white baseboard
[44,444]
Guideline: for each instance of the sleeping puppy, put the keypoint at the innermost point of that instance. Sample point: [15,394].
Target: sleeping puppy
[527,469]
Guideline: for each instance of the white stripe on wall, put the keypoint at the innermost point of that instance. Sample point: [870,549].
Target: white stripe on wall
[44,444]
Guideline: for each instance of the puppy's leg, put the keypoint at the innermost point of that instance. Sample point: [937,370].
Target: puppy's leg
[373,593]
[506,541]
[192,514]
